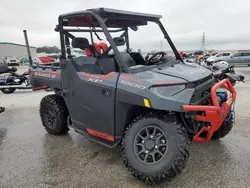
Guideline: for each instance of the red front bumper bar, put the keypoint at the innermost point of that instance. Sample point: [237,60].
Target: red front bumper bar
[215,114]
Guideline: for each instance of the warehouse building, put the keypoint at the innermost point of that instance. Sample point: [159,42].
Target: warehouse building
[17,50]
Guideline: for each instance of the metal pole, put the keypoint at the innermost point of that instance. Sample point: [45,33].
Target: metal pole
[27,46]
[127,40]
[177,55]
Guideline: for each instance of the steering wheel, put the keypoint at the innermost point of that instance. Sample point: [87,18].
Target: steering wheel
[154,58]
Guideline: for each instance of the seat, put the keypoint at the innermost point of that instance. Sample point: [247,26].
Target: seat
[85,64]
[105,66]
[127,59]
[93,64]
[5,69]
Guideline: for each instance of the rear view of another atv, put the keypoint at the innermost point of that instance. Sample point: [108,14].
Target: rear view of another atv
[152,107]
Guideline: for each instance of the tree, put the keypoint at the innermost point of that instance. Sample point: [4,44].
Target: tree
[48,49]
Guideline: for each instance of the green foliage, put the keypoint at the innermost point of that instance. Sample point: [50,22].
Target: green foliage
[48,49]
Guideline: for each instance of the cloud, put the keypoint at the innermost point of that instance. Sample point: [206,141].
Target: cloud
[225,22]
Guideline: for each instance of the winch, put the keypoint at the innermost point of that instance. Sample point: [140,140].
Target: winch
[222,97]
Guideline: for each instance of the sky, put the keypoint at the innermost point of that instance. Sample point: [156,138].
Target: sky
[225,22]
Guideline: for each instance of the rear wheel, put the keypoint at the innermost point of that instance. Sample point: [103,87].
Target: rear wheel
[225,128]
[155,148]
[54,113]
[8,90]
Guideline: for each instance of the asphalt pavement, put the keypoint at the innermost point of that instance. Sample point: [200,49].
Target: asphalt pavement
[30,157]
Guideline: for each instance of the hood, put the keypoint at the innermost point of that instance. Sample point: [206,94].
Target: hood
[189,71]
[212,58]
[180,73]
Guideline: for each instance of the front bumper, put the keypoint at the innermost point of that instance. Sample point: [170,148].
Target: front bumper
[214,114]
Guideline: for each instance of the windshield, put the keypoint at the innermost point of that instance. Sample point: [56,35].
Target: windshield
[219,55]
[141,45]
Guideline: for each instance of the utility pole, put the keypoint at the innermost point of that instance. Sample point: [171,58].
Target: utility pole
[203,42]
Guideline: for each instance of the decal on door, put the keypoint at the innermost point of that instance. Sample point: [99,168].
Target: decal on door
[133,85]
[45,74]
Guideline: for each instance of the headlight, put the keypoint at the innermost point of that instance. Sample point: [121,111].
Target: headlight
[167,91]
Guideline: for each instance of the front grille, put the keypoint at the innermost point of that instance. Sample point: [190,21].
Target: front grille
[202,89]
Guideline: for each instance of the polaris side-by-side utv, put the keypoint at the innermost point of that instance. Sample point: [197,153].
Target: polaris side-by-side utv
[150,107]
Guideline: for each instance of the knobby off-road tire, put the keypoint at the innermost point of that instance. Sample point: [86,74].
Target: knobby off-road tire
[171,163]
[54,113]
[224,130]
[8,91]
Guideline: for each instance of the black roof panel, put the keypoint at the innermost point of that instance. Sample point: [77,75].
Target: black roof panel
[107,12]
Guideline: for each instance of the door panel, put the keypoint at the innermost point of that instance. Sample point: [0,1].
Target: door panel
[236,59]
[90,100]
[246,58]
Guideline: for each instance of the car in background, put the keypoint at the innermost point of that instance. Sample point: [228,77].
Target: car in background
[239,58]
[11,60]
[219,57]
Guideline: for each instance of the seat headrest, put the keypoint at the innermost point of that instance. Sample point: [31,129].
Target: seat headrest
[79,42]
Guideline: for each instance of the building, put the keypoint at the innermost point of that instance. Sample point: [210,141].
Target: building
[17,50]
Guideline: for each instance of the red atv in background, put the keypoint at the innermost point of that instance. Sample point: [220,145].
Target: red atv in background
[44,60]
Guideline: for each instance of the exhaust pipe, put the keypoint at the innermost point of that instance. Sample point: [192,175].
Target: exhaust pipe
[28,47]
[16,87]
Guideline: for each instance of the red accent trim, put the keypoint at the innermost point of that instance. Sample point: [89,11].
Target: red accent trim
[168,83]
[43,72]
[99,77]
[40,88]
[87,75]
[100,135]
[214,114]
[130,78]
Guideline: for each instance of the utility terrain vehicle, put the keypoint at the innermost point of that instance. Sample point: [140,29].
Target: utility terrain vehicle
[151,107]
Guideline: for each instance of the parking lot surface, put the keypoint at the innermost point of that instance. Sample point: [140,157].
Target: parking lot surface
[30,157]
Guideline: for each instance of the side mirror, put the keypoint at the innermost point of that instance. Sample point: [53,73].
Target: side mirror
[119,41]
[134,28]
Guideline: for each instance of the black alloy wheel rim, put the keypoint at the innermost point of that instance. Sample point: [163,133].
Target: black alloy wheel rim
[150,144]
[49,117]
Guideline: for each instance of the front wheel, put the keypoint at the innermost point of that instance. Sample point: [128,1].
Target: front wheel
[8,90]
[155,148]
[225,128]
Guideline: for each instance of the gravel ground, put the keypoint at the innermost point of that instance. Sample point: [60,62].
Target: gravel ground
[30,157]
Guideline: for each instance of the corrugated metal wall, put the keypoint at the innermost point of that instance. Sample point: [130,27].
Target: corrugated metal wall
[15,50]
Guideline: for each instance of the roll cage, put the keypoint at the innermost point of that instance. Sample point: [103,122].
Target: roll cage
[103,18]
